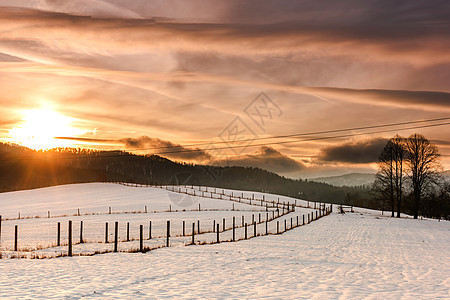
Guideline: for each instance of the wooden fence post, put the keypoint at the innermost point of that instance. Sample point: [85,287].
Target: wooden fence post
[78,212]
[128,231]
[81,232]
[245,236]
[267,222]
[218,240]
[198,226]
[259,219]
[48,214]
[303,219]
[214,225]
[16,229]
[254,229]
[234,225]
[150,230]
[193,233]
[58,237]
[69,252]
[291,223]
[168,233]
[223,226]
[184,225]
[116,235]
[106,233]
[278,227]
[110,210]
[285,226]
[242,220]
[145,209]
[141,238]
[199,208]
[297,221]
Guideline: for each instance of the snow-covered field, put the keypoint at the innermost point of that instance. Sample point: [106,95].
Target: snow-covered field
[41,210]
[352,256]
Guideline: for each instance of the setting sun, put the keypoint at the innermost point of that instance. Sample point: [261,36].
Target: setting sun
[40,127]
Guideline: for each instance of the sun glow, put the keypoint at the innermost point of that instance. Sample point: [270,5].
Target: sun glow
[40,127]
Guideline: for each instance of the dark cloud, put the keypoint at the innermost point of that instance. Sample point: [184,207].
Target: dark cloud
[401,98]
[338,12]
[266,158]
[9,58]
[165,148]
[441,143]
[360,152]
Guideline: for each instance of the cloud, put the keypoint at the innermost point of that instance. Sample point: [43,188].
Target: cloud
[165,148]
[360,152]
[422,100]
[413,43]
[266,158]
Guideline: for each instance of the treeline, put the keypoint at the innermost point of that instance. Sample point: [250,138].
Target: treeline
[23,168]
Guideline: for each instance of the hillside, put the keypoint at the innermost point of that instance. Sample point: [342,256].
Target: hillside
[351,179]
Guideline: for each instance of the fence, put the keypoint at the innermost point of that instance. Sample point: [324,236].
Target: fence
[224,230]
[223,233]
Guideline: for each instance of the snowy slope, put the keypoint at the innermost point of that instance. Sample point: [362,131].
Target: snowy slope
[37,233]
[351,256]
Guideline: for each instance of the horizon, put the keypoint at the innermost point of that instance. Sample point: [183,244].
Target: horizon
[299,89]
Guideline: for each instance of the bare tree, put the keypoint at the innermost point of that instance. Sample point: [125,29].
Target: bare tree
[384,180]
[423,166]
[398,154]
[389,179]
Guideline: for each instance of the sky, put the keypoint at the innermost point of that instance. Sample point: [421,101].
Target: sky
[250,83]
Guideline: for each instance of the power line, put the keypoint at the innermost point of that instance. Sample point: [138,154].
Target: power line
[295,135]
[306,140]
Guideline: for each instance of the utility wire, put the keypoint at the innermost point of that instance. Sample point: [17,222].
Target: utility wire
[306,140]
[296,134]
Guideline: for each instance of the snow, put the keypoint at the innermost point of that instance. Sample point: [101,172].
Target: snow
[354,255]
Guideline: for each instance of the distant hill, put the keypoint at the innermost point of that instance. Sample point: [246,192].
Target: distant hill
[351,179]
[356,179]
